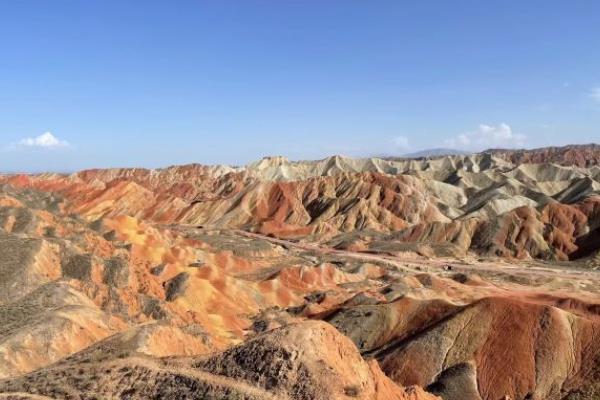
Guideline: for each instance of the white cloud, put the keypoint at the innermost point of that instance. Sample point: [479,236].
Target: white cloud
[595,93]
[401,142]
[44,141]
[487,136]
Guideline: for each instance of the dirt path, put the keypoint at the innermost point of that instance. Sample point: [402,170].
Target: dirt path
[216,380]
[456,265]
[22,396]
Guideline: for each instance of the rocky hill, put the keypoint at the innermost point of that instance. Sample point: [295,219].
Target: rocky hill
[459,277]
[489,204]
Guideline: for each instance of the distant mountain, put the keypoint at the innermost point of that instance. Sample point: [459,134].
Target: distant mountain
[436,153]
[580,155]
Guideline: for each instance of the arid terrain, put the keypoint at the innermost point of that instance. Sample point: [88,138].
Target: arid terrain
[464,277]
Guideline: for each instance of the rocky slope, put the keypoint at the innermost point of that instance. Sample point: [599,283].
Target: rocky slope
[492,204]
[494,347]
[309,360]
[338,278]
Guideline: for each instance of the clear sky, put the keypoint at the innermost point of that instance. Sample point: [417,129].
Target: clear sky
[148,83]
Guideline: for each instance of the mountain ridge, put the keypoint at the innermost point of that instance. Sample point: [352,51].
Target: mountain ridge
[335,278]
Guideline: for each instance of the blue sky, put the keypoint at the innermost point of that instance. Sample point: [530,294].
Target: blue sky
[149,83]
